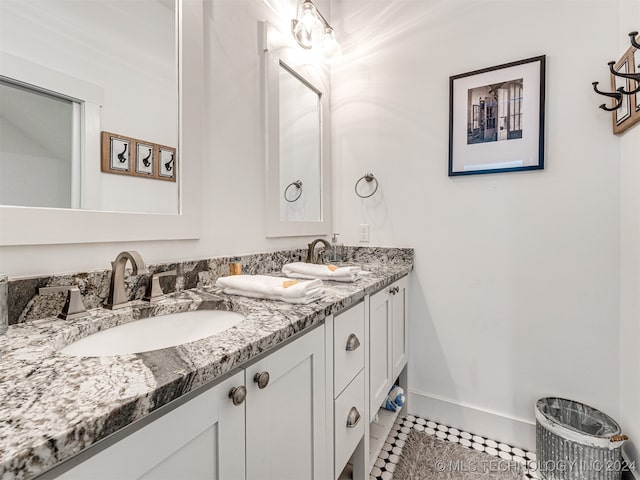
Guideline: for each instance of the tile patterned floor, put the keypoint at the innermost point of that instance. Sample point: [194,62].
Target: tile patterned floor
[391,450]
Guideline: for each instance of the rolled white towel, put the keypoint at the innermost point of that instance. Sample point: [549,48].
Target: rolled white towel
[274,288]
[323,272]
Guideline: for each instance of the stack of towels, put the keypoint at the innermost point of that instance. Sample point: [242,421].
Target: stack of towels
[272,288]
[323,272]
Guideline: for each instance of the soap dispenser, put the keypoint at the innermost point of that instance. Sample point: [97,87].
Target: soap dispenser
[336,249]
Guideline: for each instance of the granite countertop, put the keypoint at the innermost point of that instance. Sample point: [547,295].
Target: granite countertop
[53,405]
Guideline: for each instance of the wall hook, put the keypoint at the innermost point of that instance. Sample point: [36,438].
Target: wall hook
[616,95]
[632,76]
[634,42]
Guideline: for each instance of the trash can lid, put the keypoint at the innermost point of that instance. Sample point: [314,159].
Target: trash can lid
[578,417]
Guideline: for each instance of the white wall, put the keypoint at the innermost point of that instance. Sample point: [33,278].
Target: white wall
[630,259]
[233,163]
[516,282]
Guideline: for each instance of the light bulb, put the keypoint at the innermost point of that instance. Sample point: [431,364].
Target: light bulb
[307,28]
[331,49]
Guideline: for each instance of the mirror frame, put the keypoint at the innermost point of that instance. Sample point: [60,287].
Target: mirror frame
[38,226]
[276,49]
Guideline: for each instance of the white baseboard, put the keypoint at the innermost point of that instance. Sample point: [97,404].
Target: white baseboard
[494,425]
[635,473]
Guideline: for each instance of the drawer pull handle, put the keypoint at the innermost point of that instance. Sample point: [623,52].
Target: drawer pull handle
[353,418]
[237,395]
[262,379]
[352,343]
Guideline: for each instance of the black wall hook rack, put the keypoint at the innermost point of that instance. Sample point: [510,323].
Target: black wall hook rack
[632,76]
[618,95]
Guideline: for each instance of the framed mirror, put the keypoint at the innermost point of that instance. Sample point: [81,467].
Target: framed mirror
[60,111]
[297,143]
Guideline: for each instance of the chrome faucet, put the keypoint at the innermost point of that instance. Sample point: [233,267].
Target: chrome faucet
[312,246]
[117,295]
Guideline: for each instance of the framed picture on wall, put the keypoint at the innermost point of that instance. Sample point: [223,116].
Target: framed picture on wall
[496,118]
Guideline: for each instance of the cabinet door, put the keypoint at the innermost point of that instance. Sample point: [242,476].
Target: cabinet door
[399,336]
[380,365]
[286,418]
[201,439]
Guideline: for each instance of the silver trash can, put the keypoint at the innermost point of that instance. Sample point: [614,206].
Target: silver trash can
[576,442]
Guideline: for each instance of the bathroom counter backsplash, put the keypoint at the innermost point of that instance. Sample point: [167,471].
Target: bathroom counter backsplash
[25,303]
[55,405]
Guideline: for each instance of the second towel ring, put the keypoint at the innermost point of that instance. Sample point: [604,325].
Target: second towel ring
[298,185]
[369,178]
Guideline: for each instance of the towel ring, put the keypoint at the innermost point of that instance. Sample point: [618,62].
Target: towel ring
[298,185]
[369,178]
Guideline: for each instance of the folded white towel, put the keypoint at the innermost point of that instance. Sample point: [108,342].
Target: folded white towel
[272,288]
[323,272]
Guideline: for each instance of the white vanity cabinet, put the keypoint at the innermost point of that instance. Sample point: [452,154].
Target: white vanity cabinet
[388,355]
[276,433]
[286,437]
[203,438]
[347,346]
[388,340]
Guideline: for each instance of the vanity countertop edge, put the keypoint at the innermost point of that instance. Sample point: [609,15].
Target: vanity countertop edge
[54,405]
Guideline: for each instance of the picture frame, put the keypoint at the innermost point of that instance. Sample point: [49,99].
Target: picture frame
[167,163]
[628,114]
[145,158]
[496,118]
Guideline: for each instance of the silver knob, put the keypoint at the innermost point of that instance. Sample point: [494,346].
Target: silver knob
[352,343]
[262,379]
[353,418]
[238,394]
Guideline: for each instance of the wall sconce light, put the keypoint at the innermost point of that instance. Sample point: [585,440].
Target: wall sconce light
[311,29]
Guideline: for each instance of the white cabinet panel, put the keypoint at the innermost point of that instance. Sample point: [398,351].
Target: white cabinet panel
[399,324]
[380,367]
[286,419]
[348,328]
[201,439]
[348,435]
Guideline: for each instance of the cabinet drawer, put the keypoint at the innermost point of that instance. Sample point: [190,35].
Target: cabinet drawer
[347,437]
[348,358]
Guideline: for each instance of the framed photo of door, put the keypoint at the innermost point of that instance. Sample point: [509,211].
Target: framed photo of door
[496,118]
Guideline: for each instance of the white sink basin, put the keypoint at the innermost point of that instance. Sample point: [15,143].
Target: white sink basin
[154,333]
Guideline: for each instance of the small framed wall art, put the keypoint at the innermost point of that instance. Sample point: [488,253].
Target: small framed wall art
[496,118]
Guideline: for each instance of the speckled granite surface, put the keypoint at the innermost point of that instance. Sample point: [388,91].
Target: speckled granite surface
[54,405]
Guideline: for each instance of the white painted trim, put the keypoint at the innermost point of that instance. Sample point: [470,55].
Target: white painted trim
[636,473]
[497,426]
[275,47]
[44,78]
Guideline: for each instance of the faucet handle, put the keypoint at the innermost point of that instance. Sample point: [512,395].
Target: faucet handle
[154,290]
[73,306]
